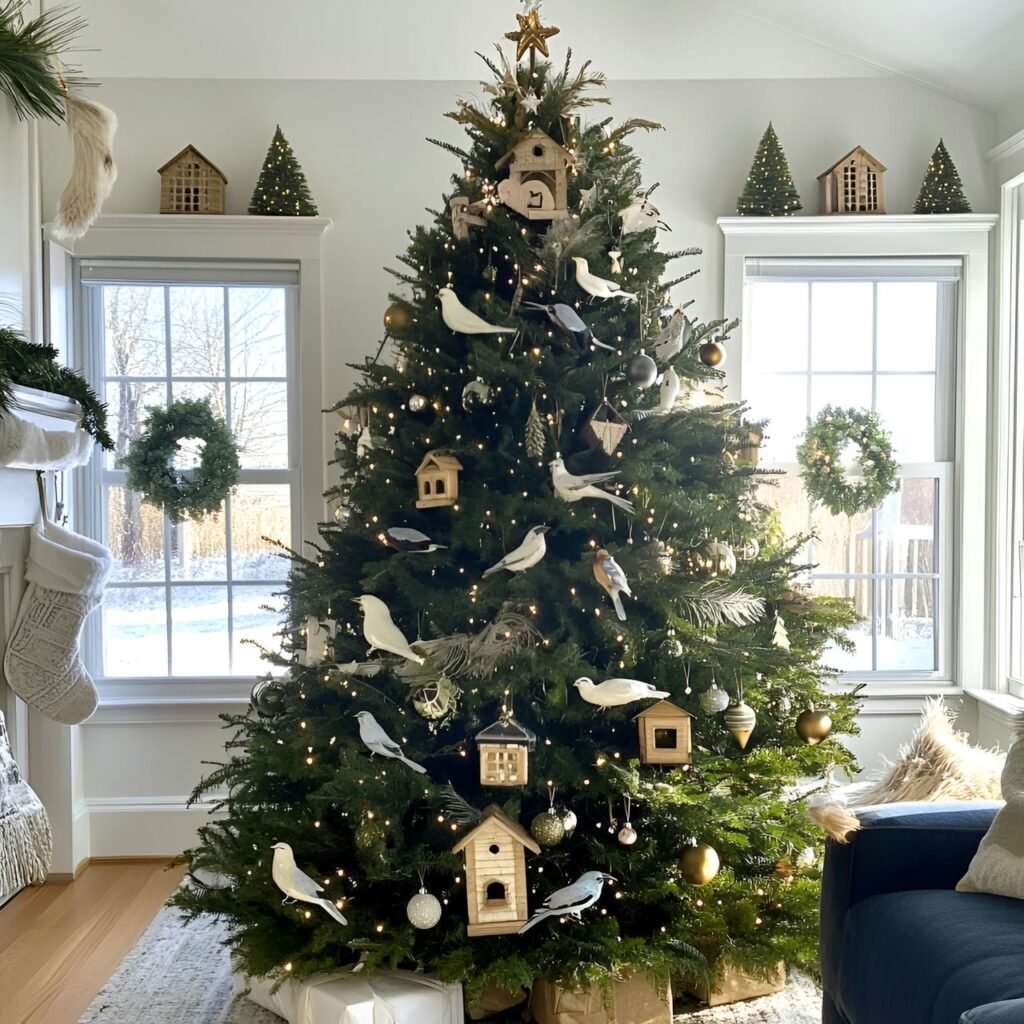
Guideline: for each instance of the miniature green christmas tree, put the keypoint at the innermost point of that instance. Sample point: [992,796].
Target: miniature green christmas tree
[769,191]
[281,190]
[942,191]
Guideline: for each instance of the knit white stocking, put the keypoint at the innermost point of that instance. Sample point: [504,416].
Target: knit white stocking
[66,574]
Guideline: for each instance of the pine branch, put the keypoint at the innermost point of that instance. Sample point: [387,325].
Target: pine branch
[450,148]
[717,604]
[458,808]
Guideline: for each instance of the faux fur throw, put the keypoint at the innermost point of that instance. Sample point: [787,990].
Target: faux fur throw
[26,846]
[938,764]
[998,866]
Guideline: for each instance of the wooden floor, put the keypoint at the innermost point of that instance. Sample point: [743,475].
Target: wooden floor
[60,943]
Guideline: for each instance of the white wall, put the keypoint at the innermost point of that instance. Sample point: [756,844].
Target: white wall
[362,146]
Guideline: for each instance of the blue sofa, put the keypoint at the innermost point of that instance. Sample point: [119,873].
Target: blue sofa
[899,945]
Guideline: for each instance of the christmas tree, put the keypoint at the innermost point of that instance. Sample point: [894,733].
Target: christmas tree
[769,191]
[511,661]
[942,191]
[281,189]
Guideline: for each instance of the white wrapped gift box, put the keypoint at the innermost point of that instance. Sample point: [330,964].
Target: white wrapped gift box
[385,997]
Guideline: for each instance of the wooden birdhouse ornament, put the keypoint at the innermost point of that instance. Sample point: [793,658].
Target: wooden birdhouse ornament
[505,753]
[853,185]
[495,855]
[438,480]
[604,429]
[537,185]
[664,734]
[189,183]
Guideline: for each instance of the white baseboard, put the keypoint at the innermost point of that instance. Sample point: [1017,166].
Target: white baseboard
[143,827]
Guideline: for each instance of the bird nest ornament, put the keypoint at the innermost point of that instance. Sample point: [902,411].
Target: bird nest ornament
[827,481]
[604,429]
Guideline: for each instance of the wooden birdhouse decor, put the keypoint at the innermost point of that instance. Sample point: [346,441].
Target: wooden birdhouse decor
[438,480]
[664,734]
[853,185]
[189,183]
[537,185]
[505,753]
[604,429]
[495,855]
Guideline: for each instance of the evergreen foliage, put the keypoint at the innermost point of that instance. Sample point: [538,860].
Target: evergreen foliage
[368,827]
[281,189]
[30,49]
[36,366]
[769,190]
[942,191]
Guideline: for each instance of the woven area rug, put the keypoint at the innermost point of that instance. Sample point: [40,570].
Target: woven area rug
[179,974]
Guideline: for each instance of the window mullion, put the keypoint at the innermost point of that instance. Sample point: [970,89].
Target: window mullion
[228,547]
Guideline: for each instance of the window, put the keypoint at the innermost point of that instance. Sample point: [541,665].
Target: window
[877,335]
[184,599]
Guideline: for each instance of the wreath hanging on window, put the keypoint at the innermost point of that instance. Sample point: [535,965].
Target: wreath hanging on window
[819,455]
[185,461]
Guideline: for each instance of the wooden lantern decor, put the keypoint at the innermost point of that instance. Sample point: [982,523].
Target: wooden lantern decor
[189,183]
[495,854]
[605,428]
[438,480]
[664,734]
[537,185]
[853,185]
[505,753]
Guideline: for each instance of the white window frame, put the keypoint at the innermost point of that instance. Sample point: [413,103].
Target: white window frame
[252,242]
[962,236]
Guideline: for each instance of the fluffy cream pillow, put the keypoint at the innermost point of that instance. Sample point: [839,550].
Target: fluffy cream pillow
[998,866]
[938,764]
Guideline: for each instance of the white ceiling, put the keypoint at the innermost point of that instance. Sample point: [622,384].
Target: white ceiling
[967,50]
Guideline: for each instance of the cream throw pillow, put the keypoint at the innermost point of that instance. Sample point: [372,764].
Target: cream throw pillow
[998,866]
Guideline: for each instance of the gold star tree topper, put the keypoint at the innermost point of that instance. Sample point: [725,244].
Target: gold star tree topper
[531,35]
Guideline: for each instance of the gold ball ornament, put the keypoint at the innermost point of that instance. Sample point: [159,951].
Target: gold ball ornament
[699,864]
[740,721]
[627,835]
[711,353]
[712,559]
[784,869]
[369,834]
[423,910]
[547,828]
[396,319]
[813,726]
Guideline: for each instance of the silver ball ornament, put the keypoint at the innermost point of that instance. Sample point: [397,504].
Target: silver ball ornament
[569,822]
[642,370]
[423,910]
[627,835]
[418,403]
[714,700]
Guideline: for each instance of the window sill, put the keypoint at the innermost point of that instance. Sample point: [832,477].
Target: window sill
[1002,706]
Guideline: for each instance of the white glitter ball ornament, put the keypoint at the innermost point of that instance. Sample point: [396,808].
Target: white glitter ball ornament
[423,910]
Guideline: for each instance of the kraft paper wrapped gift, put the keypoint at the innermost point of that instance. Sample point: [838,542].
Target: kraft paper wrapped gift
[636,999]
[387,997]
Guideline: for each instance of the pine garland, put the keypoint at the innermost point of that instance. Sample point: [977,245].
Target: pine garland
[36,366]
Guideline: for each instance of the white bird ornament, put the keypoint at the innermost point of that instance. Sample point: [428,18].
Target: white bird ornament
[377,741]
[464,321]
[297,885]
[668,390]
[571,488]
[572,899]
[673,336]
[380,630]
[613,693]
[527,555]
[598,287]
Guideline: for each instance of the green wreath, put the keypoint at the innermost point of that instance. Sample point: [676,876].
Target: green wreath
[825,479]
[183,492]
